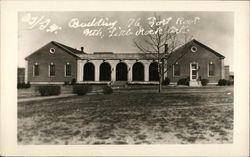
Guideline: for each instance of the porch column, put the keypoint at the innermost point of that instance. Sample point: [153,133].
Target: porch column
[113,64]
[97,64]
[130,64]
[79,71]
[146,64]
[146,71]
[80,65]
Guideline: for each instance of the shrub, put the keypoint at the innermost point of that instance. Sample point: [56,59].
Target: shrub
[73,81]
[81,89]
[183,81]
[222,82]
[107,90]
[20,85]
[204,82]
[166,81]
[49,90]
[23,85]
[27,85]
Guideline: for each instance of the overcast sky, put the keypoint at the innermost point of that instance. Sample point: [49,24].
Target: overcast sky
[214,29]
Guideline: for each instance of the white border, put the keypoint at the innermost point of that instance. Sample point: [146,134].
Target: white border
[9,66]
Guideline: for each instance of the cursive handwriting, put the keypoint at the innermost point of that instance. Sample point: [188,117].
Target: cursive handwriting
[101,27]
[103,22]
[41,22]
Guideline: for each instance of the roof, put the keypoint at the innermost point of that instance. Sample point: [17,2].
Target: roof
[208,48]
[105,55]
[68,49]
[123,56]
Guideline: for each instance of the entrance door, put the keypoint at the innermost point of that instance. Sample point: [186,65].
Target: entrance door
[193,71]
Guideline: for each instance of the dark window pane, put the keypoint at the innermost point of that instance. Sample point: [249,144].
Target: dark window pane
[52,70]
[68,70]
[211,69]
[194,72]
[194,66]
[36,70]
[177,70]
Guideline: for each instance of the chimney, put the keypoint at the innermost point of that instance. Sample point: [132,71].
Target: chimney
[166,48]
[82,48]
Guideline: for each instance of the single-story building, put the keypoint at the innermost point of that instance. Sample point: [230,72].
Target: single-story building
[20,75]
[56,63]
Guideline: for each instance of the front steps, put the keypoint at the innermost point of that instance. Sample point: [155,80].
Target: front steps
[195,83]
[119,84]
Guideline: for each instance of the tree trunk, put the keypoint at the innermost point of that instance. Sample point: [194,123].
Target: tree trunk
[160,81]
[159,87]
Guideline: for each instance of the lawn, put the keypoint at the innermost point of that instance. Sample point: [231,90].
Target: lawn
[183,116]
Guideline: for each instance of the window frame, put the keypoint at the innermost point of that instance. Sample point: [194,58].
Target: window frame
[174,70]
[65,70]
[49,72]
[208,71]
[34,70]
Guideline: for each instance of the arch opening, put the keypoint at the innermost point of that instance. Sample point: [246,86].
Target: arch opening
[89,72]
[138,72]
[121,72]
[153,72]
[105,72]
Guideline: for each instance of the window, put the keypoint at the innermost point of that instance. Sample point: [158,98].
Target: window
[52,69]
[177,69]
[52,50]
[193,49]
[36,69]
[211,68]
[68,69]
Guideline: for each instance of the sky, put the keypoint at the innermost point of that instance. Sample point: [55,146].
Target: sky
[101,31]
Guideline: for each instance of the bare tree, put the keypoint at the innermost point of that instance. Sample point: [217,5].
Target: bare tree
[160,42]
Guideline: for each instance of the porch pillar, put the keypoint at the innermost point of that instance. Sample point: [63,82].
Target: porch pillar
[146,71]
[130,69]
[97,64]
[79,74]
[113,64]
[146,64]
[80,70]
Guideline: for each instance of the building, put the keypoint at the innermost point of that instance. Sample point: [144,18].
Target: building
[226,72]
[231,76]
[56,63]
[20,75]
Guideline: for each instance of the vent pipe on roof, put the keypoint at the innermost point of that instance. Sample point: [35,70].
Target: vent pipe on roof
[82,49]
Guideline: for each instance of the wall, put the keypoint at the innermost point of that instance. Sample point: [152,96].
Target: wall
[43,57]
[226,68]
[202,56]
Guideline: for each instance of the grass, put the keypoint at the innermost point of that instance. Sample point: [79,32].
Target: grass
[130,117]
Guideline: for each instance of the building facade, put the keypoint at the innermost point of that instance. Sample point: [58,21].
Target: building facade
[20,75]
[56,63]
